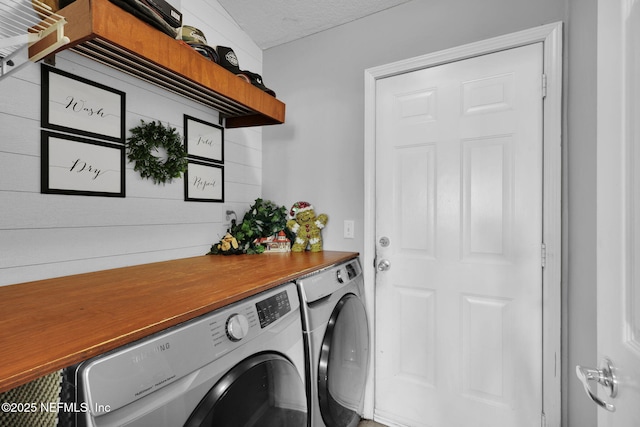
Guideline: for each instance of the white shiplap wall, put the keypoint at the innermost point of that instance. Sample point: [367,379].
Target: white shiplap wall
[44,235]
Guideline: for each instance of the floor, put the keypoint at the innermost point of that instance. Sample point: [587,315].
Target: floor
[369,423]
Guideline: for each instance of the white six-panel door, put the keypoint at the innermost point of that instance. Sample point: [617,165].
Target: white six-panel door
[618,224]
[459,202]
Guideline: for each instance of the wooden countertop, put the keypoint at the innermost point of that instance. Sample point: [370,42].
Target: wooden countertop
[51,324]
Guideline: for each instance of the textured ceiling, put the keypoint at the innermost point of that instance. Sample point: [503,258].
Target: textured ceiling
[273,22]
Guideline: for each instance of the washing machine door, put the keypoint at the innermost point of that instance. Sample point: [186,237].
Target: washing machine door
[344,359]
[264,390]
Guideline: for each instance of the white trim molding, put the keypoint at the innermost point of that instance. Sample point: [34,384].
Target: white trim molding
[551,37]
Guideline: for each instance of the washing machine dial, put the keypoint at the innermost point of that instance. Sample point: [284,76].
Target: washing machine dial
[237,327]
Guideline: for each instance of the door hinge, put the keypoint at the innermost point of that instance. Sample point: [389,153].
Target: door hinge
[543,420]
[543,255]
[544,86]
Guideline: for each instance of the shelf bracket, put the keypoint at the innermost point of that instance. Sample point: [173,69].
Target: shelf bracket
[56,27]
[29,25]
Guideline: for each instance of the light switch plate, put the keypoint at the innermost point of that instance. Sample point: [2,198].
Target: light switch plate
[349,226]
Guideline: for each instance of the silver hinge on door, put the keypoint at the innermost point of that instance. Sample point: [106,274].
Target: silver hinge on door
[544,86]
[543,255]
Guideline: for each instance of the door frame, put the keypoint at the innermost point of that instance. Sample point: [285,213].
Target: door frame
[551,250]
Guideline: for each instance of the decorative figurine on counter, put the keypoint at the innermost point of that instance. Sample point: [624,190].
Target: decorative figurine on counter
[306,226]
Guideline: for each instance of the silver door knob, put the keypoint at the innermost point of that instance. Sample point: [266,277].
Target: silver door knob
[603,376]
[384,265]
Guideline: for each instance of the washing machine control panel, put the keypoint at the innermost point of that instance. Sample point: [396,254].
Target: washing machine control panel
[273,308]
[243,322]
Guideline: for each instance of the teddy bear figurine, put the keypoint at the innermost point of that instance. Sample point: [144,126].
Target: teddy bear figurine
[306,226]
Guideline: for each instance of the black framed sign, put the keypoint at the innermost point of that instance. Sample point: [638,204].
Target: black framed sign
[203,140]
[77,105]
[74,165]
[204,182]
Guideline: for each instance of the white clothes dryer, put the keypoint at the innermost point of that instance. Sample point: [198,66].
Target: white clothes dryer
[241,365]
[336,337]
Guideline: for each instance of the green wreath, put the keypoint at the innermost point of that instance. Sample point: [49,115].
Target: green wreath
[148,137]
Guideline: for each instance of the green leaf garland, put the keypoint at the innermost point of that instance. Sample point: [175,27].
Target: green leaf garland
[149,137]
[263,219]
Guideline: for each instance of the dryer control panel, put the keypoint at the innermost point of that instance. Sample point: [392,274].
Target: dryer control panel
[321,284]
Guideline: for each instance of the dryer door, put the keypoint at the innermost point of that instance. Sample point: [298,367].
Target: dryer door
[344,358]
[264,390]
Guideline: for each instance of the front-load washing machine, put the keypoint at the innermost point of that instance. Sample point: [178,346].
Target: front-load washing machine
[336,337]
[241,365]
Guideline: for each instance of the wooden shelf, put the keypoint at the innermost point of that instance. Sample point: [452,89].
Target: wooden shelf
[106,33]
[51,324]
